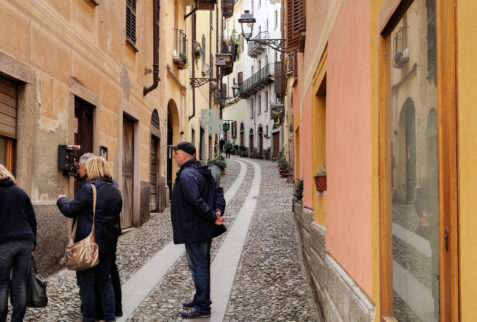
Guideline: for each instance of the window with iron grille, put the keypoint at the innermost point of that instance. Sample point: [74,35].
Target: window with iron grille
[234,129]
[131,20]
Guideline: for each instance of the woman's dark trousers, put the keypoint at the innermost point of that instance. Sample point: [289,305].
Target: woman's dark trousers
[14,255]
[116,280]
[99,275]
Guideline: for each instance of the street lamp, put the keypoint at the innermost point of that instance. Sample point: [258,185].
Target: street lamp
[246,21]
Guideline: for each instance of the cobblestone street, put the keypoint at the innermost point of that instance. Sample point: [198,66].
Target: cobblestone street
[269,283]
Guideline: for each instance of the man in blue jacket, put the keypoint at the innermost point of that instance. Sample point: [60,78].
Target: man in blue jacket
[197,209]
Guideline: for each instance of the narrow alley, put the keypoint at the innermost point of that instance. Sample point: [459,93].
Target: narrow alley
[257,272]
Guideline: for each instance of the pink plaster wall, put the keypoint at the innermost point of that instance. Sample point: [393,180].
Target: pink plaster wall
[348,143]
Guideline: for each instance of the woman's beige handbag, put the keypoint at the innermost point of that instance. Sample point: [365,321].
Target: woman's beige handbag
[84,254]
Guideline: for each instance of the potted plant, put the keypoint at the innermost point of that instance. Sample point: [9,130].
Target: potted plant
[299,190]
[282,165]
[184,58]
[219,162]
[197,54]
[320,179]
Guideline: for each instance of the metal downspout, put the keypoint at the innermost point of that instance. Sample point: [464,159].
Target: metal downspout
[155,32]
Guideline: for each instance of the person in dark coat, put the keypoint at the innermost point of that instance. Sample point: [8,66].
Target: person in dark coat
[17,242]
[107,230]
[115,279]
[197,208]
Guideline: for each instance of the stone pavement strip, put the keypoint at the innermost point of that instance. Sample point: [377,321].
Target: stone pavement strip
[269,283]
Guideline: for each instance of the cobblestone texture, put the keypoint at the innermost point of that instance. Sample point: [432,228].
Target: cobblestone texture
[164,303]
[270,284]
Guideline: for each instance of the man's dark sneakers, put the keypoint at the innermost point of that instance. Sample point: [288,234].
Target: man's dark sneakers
[188,305]
[195,314]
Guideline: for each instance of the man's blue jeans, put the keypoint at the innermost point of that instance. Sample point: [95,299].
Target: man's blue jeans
[100,275]
[198,257]
[16,255]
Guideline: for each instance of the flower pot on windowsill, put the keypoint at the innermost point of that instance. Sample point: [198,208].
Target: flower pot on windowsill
[320,182]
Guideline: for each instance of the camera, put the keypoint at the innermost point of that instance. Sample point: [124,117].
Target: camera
[67,159]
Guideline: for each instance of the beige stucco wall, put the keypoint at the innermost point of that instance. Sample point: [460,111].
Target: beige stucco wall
[61,49]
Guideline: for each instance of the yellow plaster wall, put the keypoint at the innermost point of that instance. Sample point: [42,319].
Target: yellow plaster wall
[467,156]
[318,137]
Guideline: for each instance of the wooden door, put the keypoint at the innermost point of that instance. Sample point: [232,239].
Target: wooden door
[128,172]
[83,129]
[276,144]
[250,143]
[154,167]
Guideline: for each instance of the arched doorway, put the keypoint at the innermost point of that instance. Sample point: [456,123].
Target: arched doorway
[242,131]
[431,141]
[154,161]
[250,142]
[407,130]
[173,137]
[260,140]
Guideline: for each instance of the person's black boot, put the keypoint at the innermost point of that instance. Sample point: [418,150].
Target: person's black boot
[195,314]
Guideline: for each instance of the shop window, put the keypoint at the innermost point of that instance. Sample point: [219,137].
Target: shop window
[419,254]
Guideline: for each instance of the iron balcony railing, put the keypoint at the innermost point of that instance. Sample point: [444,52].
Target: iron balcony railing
[255,48]
[180,44]
[257,81]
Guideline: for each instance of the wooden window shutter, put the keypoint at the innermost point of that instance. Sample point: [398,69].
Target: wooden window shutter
[240,77]
[296,24]
[8,108]
[131,20]
[279,78]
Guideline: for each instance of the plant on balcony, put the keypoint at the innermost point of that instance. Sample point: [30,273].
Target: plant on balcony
[320,179]
[235,40]
[183,57]
[197,54]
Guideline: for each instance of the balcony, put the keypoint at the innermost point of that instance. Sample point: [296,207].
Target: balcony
[226,57]
[254,48]
[205,4]
[179,54]
[258,81]
[228,8]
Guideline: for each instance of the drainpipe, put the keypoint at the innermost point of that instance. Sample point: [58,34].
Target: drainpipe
[155,32]
[194,20]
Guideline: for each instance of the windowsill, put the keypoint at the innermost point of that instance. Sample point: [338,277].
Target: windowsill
[132,45]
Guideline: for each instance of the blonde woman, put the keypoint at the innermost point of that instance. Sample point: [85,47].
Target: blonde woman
[17,241]
[107,230]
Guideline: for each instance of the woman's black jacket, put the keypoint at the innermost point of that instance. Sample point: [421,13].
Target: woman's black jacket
[108,209]
[17,218]
[195,199]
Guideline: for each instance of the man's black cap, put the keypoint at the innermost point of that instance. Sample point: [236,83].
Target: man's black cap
[184,146]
